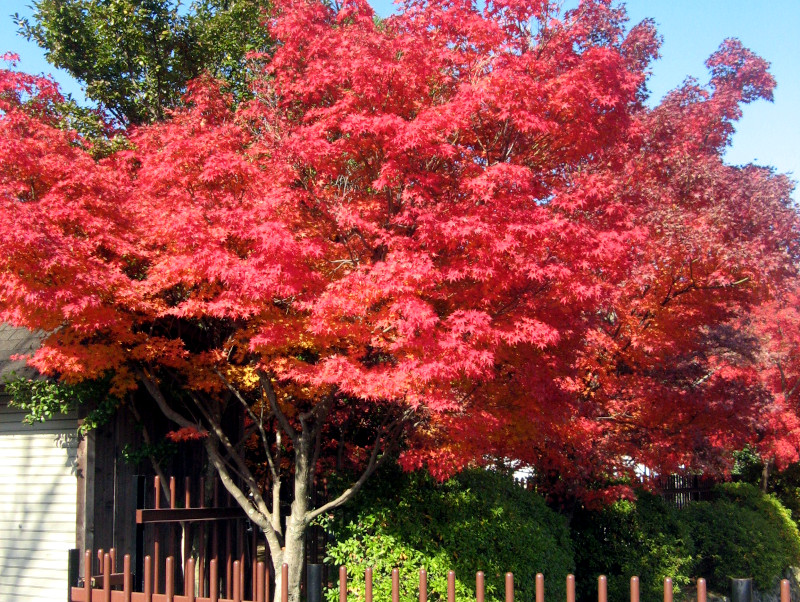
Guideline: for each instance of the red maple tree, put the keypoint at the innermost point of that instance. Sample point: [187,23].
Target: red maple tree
[459,228]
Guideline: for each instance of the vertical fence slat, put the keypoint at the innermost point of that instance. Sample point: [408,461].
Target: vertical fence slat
[106,577]
[156,562]
[368,584]
[240,535]
[156,542]
[451,586]
[127,578]
[342,584]
[188,580]
[667,590]
[261,594]
[539,587]
[202,552]
[237,581]
[148,579]
[87,575]
[570,588]
[509,587]
[480,587]
[171,551]
[634,589]
[395,585]
[423,585]
[169,579]
[266,581]
[701,591]
[602,589]
[253,560]
[285,582]
[213,580]
[228,560]
[786,594]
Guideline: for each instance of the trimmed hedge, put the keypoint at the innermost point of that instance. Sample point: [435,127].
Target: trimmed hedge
[479,520]
[646,538]
[742,533]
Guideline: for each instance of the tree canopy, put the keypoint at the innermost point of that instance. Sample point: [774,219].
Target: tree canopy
[135,57]
[458,233]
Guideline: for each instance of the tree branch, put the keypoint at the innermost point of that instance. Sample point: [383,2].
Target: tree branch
[259,517]
[266,384]
[257,420]
[152,388]
[373,464]
[236,457]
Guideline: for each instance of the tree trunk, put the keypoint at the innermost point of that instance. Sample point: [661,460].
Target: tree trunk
[293,555]
[294,550]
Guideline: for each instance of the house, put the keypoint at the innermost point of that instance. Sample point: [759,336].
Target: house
[58,491]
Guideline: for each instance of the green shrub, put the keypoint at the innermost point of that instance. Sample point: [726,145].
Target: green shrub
[645,538]
[783,483]
[742,533]
[478,520]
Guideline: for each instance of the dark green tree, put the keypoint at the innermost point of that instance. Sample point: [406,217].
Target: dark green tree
[134,57]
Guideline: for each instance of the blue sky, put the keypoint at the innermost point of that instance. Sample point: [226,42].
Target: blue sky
[768,134]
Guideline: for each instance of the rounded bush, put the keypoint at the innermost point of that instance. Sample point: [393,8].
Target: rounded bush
[742,533]
[645,538]
[479,520]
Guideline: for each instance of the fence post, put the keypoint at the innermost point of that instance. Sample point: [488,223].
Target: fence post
[73,570]
[509,587]
[701,590]
[451,586]
[786,594]
[237,581]
[480,587]
[602,589]
[106,577]
[127,579]
[213,579]
[148,578]
[138,557]
[188,580]
[423,585]
[169,579]
[87,575]
[367,584]
[570,588]
[261,582]
[634,589]
[314,582]
[342,584]
[539,587]
[667,590]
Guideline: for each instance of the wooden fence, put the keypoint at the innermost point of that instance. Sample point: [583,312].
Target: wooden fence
[187,528]
[183,525]
[118,587]
[681,490]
